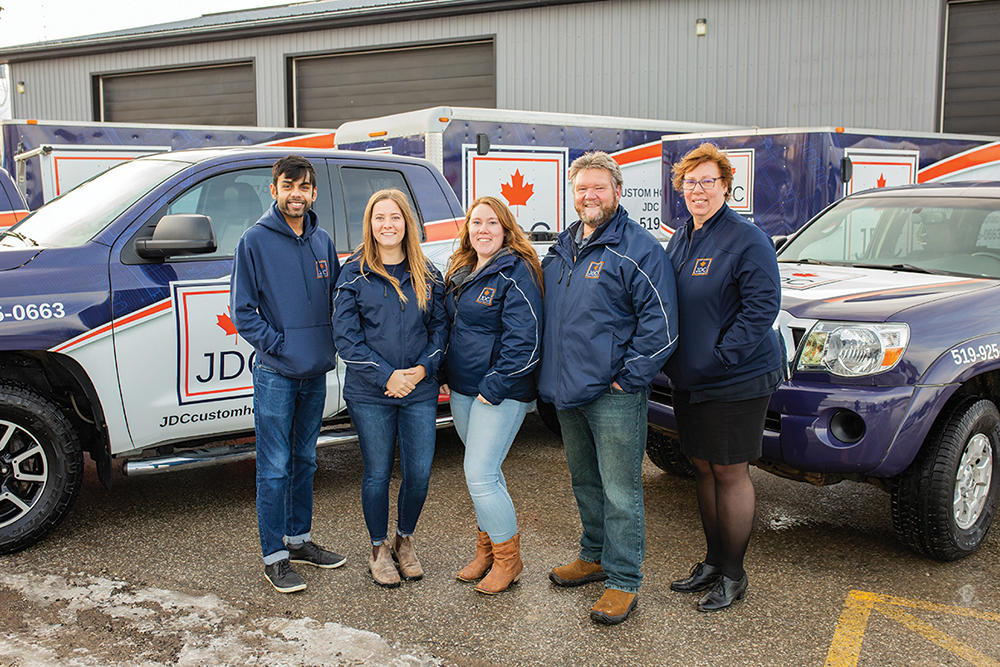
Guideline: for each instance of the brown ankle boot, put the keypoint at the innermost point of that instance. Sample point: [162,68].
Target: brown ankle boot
[404,553]
[481,564]
[506,569]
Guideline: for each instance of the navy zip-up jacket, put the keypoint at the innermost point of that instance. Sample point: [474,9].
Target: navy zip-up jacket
[729,294]
[376,333]
[496,332]
[281,294]
[610,313]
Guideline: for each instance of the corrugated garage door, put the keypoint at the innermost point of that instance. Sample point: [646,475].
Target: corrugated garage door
[211,95]
[333,89]
[972,68]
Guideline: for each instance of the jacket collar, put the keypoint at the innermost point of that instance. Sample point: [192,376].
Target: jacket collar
[608,233]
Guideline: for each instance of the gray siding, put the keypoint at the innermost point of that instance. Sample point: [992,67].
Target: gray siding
[859,63]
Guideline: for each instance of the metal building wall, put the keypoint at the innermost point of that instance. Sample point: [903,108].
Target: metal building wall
[859,63]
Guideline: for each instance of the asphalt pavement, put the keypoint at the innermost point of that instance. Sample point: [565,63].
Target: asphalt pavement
[829,584]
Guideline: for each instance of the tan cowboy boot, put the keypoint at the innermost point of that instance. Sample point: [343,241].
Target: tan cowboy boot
[506,569]
[481,564]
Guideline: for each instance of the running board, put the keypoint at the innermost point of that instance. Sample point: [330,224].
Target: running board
[201,458]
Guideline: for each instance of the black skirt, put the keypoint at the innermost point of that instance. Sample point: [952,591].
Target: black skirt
[720,432]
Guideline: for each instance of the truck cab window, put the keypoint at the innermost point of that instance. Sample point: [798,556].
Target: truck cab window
[359,185]
[234,201]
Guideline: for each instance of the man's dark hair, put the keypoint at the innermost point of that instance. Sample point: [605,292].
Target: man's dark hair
[293,167]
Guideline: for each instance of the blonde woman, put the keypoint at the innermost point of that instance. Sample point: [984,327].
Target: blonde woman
[390,328]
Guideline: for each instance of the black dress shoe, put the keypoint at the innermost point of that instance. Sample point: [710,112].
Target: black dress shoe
[725,592]
[702,576]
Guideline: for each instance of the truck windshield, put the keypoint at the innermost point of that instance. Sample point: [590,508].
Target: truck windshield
[956,235]
[79,215]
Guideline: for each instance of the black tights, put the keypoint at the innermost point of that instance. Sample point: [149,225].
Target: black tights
[726,502]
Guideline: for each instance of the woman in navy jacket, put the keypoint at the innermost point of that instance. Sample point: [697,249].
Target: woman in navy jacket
[494,304]
[390,328]
[726,366]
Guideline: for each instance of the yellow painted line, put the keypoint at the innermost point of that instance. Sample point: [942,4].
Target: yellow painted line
[927,606]
[845,648]
[930,633]
[846,645]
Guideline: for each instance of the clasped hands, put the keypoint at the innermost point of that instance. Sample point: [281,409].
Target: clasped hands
[404,380]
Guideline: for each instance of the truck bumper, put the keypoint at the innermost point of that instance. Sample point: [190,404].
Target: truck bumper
[833,429]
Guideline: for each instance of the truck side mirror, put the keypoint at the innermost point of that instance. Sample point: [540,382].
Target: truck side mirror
[779,241]
[181,234]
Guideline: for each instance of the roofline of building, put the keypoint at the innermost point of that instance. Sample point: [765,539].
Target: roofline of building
[339,18]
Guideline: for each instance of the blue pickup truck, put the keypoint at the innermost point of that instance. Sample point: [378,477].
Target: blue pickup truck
[115,335]
[890,326]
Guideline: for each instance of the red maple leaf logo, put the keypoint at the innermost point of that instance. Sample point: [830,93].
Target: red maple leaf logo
[880,183]
[517,192]
[225,323]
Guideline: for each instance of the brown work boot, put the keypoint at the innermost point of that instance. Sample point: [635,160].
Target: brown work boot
[507,567]
[382,568]
[613,607]
[577,573]
[406,556]
[481,564]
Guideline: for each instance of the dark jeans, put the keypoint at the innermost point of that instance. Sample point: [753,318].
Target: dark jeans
[379,428]
[287,416]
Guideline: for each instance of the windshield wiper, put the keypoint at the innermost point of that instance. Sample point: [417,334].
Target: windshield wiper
[20,237]
[900,267]
[805,261]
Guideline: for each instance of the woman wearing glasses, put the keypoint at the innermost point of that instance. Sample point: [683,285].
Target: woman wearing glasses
[726,366]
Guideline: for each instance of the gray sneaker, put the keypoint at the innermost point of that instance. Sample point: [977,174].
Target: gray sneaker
[311,553]
[283,577]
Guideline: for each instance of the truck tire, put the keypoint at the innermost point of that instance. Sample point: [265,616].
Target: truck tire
[665,453]
[943,505]
[547,412]
[41,467]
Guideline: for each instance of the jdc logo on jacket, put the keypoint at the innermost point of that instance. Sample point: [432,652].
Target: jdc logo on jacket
[701,266]
[322,269]
[486,298]
[594,271]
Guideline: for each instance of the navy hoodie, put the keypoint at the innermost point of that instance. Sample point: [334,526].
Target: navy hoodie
[729,294]
[281,294]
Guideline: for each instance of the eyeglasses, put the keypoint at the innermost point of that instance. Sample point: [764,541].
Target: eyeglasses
[705,183]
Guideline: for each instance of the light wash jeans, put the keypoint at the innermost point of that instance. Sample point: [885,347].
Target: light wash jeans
[488,431]
[379,427]
[605,441]
[287,415]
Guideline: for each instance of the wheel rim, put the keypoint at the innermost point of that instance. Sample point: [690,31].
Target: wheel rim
[23,472]
[972,483]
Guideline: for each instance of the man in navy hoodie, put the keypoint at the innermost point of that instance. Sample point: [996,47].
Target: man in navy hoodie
[610,321]
[281,303]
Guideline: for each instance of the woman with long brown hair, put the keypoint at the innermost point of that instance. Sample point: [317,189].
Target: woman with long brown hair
[390,328]
[494,301]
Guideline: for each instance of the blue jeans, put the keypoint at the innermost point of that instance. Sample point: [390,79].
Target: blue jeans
[605,442]
[379,427]
[287,415]
[488,431]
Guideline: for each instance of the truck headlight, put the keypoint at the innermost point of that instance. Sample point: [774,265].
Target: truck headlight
[852,349]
